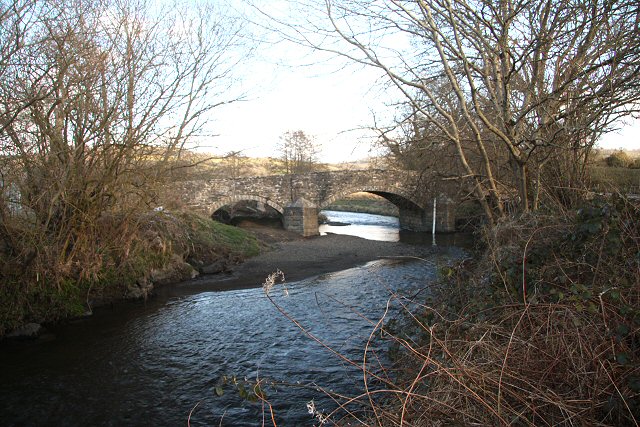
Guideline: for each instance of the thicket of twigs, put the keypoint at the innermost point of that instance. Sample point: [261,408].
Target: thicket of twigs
[544,329]
[98,102]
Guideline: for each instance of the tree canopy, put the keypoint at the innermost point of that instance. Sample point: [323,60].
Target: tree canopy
[517,91]
[298,152]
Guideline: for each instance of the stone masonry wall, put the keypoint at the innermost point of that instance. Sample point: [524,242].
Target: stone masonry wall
[319,189]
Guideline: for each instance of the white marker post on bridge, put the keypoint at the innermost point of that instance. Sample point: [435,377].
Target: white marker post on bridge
[433,229]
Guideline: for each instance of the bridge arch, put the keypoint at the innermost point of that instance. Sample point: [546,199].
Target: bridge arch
[245,197]
[391,195]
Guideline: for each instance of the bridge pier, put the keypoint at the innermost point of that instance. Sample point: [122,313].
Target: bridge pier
[301,216]
[414,219]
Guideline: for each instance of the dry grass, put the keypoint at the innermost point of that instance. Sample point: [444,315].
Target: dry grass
[543,330]
[106,260]
[536,364]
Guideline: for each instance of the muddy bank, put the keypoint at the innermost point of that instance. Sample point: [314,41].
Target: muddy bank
[299,258]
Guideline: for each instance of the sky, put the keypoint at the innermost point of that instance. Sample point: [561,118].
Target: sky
[627,138]
[289,88]
[334,107]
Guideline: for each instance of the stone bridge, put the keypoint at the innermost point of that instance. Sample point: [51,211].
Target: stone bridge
[300,197]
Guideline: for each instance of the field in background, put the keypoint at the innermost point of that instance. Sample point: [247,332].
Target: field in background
[364,203]
[605,178]
[196,166]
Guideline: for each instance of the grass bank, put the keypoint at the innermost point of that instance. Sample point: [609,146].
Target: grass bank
[164,247]
[364,203]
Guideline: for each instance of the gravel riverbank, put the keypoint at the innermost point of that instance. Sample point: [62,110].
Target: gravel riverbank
[301,258]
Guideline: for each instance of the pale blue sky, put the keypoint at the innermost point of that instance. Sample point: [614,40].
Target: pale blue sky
[627,138]
[331,106]
[291,88]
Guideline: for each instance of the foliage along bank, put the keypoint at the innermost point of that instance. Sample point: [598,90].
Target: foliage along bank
[543,328]
[163,248]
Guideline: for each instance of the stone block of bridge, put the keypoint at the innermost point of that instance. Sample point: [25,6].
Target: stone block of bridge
[414,219]
[301,217]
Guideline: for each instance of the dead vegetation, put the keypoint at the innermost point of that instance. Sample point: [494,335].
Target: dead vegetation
[542,330]
[158,247]
[98,101]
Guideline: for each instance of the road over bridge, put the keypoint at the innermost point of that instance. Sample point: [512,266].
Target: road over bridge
[300,197]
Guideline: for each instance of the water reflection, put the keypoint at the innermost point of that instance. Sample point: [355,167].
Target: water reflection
[367,226]
[387,229]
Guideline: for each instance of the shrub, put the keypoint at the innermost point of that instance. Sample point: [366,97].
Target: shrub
[619,159]
[544,329]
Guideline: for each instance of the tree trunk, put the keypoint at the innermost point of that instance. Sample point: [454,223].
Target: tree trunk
[522,187]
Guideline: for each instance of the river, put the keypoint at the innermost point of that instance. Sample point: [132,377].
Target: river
[387,228]
[153,363]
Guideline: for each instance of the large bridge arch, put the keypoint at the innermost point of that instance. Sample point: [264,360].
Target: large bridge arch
[230,200]
[411,214]
[391,195]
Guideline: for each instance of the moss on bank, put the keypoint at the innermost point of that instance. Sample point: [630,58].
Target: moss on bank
[161,241]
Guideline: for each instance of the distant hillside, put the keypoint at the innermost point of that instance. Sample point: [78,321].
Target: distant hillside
[195,166]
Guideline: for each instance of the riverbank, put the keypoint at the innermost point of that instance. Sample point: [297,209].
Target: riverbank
[211,257]
[160,248]
[300,258]
[524,334]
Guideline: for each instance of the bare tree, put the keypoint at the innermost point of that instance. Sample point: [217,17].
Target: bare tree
[234,164]
[298,152]
[98,97]
[540,81]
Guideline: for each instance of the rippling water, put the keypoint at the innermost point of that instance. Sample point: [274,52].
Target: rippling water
[151,364]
